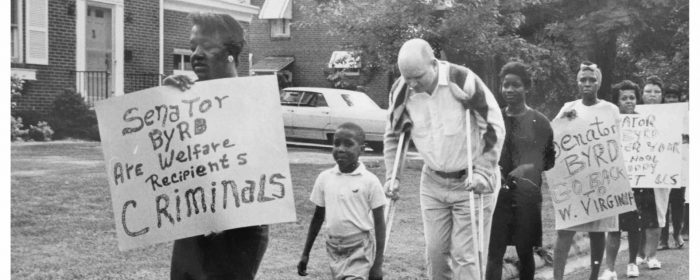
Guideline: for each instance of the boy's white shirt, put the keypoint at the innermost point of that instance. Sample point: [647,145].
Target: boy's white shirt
[349,199]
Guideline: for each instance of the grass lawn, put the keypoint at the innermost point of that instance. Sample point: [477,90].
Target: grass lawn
[62,225]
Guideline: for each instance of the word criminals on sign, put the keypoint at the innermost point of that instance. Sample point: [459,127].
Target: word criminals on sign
[183,164]
[588,181]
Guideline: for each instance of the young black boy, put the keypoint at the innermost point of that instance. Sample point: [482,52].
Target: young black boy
[349,193]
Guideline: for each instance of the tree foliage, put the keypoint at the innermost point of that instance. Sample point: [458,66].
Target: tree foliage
[627,38]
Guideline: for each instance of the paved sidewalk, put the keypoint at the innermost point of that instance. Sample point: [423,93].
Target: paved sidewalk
[674,265]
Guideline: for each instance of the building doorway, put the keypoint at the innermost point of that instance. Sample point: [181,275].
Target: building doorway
[98,77]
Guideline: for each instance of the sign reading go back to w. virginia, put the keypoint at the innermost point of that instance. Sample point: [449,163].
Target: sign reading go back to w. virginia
[188,163]
[588,181]
[651,143]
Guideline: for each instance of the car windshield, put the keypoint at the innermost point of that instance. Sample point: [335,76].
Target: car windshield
[290,97]
[358,101]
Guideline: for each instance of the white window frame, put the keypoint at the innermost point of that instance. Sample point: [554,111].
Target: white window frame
[24,74]
[17,47]
[182,70]
[280,28]
[29,28]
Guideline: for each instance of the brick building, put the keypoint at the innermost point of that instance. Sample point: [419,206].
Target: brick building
[103,48]
[303,54]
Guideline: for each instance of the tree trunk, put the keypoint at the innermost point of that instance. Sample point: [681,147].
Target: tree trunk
[604,55]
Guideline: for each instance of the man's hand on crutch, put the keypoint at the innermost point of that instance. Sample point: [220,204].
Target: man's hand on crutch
[478,187]
[391,186]
[478,184]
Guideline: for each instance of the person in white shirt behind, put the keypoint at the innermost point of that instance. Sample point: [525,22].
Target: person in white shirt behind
[588,107]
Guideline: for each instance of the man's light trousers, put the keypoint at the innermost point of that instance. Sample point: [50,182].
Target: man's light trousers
[447,227]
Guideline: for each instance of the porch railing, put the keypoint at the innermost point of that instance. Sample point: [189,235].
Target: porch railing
[98,85]
[136,82]
[93,85]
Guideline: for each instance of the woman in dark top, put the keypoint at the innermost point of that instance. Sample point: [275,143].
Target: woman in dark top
[626,95]
[527,152]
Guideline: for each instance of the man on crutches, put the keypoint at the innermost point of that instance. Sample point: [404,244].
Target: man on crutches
[430,100]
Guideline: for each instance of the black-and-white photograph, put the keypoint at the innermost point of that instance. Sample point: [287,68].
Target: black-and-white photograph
[349,139]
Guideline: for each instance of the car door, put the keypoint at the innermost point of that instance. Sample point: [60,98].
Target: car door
[290,102]
[312,117]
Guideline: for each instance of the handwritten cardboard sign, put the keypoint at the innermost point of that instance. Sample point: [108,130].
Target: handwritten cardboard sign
[685,151]
[685,168]
[188,163]
[651,144]
[588,181]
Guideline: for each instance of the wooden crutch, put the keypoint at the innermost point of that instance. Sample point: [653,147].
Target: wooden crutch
[477,234]
[391,209]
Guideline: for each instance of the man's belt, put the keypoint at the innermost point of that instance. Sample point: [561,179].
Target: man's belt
[451,175]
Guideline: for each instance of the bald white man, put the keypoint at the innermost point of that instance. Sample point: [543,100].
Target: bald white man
[429,101]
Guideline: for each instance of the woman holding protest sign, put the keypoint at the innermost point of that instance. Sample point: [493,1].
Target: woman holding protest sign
[626,94]
[216,41]
[528,150]
[653,210]
[676,203]
[588,107]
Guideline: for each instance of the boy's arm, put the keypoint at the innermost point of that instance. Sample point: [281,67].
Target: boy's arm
[314,228]
[380,237]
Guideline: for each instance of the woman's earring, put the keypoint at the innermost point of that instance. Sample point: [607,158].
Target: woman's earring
[230,58]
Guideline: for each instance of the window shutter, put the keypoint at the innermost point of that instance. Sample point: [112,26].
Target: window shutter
[37,36]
